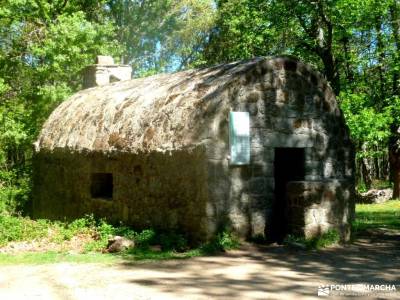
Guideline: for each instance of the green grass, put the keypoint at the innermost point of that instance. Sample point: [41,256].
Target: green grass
[383,215]
[134,255]
[56,257]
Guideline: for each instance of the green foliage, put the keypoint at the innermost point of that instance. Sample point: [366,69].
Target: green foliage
[162,35]
[103,231]
[244,30]
[19,229]
[227,240]
[14,194]
[69,45]
[3,87]
[361,187]
[369,127]
[145,238]
[166,246]
[223,241]
[329,238]
[354,43]
[375,184]
[44,46]
[381,184]
[173,241]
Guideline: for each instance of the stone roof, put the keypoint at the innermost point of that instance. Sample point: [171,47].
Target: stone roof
[161,112]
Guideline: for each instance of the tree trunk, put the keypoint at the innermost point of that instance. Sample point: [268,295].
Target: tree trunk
[320,30]
[394,141]
[394,160]
[332,75]
[376,168]
[346,50]
[365,174]
[381,57]
[395,170]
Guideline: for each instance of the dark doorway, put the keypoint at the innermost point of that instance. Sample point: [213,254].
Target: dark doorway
[288,166]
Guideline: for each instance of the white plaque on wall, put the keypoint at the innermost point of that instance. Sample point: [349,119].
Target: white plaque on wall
[239,138]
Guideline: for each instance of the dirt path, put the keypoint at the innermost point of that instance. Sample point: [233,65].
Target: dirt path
[250,273]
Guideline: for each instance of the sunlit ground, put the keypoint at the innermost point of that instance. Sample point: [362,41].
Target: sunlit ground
[383,215]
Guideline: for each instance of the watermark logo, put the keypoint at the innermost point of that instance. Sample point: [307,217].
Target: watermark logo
[359,289]
[324,290]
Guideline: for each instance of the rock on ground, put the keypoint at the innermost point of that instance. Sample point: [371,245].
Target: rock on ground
[375,196]
[119,243]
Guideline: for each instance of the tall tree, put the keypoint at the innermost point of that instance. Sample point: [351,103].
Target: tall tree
[394,142]
[308,29]
[355,43]
[44,46]
[161,35]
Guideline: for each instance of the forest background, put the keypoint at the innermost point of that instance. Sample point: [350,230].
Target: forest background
[44,46]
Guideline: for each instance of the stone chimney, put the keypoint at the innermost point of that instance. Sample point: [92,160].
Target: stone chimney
[105,72]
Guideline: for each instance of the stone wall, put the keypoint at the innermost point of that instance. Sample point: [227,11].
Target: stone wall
[164,191]
[290,105]
[318,206]
[200,192]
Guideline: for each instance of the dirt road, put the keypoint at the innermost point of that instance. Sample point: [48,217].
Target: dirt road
[249,273]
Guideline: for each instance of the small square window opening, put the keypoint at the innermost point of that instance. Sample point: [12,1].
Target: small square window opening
[102,186]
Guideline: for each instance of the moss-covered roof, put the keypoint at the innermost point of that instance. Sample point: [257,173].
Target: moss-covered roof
[157,113]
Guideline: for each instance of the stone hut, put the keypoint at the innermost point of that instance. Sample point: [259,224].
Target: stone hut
[257,146]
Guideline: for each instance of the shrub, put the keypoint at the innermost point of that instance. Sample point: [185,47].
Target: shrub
[64,231]
[173,241]
[102,232]
[125,231]
[15,188]
[326,239]
[16,228]
[223,241]
[145,238]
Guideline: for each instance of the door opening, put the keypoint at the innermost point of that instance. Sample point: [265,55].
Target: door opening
[289,165]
